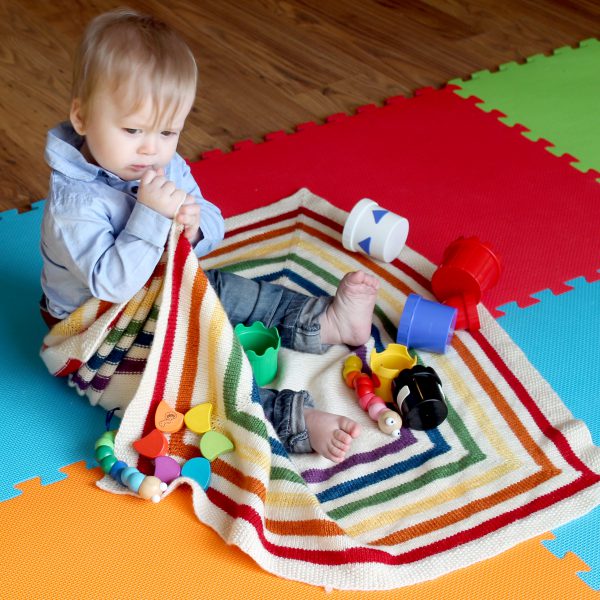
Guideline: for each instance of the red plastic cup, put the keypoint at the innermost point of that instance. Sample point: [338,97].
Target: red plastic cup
[469,268]
[467,316]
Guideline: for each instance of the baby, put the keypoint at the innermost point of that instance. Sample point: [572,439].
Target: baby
[117,183]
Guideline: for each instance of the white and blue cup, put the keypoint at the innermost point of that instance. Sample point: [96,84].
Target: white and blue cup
[426,325]
[374,231]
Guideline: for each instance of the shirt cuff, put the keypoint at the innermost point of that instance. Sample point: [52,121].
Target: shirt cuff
[148,225]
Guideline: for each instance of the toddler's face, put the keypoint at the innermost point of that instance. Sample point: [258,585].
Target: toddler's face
[128,143]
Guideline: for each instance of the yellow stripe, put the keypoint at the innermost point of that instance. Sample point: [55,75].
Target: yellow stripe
[511,463]
[390,296]
[261,250]
[287,499]
[252,454]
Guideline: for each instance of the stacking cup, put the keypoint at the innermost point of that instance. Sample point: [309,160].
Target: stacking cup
[468,268]
[420,399]
[426,325]
[374,231]
[261,346]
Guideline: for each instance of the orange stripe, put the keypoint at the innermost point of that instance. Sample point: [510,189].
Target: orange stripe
[464,512]
[503,407]
[235,476]
[189,369]
[302,528]
[324,527]
[316,233]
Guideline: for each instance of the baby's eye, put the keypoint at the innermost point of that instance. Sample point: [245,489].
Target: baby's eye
[168,133]
[131,131]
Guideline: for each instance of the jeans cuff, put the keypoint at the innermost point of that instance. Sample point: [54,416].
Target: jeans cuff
[297,441]
[307,335]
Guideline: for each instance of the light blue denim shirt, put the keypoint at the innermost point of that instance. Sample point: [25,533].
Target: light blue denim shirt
[96,239]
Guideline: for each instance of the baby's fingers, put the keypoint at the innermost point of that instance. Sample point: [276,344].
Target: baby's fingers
[148,177]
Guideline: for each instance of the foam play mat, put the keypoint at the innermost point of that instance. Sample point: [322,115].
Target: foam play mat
[452,169]
[552,97]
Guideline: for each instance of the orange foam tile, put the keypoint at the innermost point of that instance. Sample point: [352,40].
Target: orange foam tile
[72,540]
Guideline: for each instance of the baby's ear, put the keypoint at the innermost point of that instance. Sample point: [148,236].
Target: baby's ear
[76,117]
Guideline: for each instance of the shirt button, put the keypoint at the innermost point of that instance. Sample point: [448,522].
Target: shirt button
[134,189]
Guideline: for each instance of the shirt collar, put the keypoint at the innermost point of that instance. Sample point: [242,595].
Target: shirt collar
[63,154]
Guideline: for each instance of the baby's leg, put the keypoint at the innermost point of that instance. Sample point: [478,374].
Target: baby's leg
[348,318]
[330,435]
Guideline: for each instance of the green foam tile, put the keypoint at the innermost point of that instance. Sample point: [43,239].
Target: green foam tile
[555,97]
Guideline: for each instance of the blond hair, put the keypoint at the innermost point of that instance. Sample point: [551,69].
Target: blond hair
[136,57]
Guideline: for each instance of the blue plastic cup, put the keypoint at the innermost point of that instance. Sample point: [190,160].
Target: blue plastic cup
[426,325]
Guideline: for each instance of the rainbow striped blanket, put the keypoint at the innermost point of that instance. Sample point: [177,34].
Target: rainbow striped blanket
[509,463]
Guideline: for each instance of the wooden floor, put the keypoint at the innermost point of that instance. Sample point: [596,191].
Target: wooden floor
[268,64]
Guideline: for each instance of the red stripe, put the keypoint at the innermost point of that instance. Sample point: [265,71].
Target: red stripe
[292,214]
[319,218]
[182,251]
[69,367]
[368,553]
[551,433]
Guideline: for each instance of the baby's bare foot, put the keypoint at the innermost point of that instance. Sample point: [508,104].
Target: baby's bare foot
[330,435]
[348,318]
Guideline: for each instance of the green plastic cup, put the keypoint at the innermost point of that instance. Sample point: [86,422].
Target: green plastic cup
[261,346]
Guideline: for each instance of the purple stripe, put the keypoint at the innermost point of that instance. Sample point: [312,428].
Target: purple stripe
[128,366]
[131,365]
[78,382]
[406,439]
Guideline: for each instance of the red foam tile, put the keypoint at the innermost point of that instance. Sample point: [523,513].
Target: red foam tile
[448,167]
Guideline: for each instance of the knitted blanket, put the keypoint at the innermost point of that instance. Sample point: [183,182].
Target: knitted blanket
[509,463]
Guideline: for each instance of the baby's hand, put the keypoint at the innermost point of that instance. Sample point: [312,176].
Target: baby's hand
[160,194]
[189,216]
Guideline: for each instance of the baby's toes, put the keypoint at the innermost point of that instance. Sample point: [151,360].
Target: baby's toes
[352,428]
[336,454]
[341,438]
[341,441]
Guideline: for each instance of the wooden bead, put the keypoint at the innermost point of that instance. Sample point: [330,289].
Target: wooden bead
[152,445]
[107,462]
[151,488]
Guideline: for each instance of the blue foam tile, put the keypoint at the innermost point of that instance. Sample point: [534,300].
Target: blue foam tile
[582,538]
[561,337]
[45,424]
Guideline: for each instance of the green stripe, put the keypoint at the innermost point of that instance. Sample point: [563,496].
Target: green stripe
[231,381]
[473,452]
[281,473]
[386,323]
[473,456]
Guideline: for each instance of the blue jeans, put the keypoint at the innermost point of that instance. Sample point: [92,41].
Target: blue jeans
[296,316]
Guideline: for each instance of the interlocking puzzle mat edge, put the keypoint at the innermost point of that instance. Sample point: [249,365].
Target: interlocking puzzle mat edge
[550,98]
[76,528]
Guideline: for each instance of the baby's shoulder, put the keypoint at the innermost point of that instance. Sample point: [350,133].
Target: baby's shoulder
[73,197]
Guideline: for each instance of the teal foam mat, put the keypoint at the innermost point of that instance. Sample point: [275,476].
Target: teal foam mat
[46,425]
[561,337]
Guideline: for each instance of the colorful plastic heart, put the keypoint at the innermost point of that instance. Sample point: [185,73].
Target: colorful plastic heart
[166,468]
[197,419]
[152,445]
[197,469]
[167,419]
[213,444]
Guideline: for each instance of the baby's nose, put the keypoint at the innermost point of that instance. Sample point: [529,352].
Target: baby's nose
[148,146]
